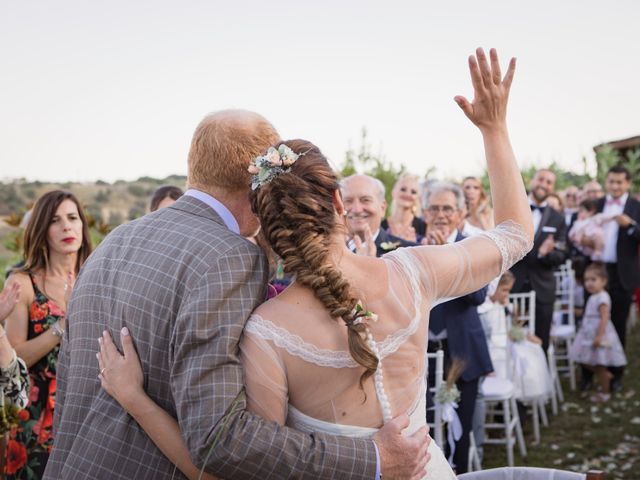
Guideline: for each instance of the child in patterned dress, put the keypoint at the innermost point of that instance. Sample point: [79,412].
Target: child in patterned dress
[597,345]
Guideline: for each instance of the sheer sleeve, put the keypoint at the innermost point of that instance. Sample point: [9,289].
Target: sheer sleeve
[264,376]
[457,269]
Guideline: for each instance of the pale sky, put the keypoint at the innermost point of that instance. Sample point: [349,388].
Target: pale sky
[114,89]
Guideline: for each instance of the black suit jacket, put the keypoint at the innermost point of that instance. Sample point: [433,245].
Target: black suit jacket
[627,245]
[537,272]
[465,336]
[390,241]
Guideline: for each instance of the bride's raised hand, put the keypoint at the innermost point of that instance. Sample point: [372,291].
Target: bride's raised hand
[488,110]
[121,375]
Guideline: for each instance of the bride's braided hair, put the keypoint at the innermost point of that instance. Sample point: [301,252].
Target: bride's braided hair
[298,218]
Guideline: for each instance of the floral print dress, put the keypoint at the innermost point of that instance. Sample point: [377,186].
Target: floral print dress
[30,442]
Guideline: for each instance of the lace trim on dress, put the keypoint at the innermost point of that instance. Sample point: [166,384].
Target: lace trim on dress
[295,345]
[512,242]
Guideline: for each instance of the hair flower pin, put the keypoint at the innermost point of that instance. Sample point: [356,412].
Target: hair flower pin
[273,163]
[361,315]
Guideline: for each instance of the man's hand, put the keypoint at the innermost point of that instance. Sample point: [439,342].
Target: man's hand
[624,220]
[367,248]
[547,246]
[400,456]
[435,237]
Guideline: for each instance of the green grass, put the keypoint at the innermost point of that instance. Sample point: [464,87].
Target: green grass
[584,435]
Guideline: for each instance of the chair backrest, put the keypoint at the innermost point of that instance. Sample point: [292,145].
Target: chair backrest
[523,309]
[522,473]
[437,425]
[565,286]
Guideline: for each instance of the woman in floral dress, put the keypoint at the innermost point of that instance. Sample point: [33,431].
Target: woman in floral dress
[56,244]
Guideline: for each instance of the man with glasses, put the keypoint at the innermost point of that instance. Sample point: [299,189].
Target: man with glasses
[455,326]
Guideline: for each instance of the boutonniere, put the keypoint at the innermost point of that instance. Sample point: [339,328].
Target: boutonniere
[388,246]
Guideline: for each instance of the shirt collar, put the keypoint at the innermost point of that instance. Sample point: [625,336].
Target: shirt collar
[452,238]
[622,199]
[227,217]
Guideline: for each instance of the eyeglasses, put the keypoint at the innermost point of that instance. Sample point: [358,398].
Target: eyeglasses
[447,210]
[413,191]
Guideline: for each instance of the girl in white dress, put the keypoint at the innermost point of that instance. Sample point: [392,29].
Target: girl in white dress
[342,350]
[597,345]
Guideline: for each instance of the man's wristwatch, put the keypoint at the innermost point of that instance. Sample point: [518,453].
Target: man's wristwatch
[57,330]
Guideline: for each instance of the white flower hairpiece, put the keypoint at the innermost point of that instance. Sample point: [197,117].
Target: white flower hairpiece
[360,315]
[273,163]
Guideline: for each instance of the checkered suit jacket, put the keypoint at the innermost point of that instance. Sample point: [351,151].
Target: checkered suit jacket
[184,285]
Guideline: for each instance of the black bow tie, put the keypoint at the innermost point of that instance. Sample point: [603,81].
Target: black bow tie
[535,207]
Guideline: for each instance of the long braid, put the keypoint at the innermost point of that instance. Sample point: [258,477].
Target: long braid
[298,219]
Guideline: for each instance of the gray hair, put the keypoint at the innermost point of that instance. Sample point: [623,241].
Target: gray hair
[439,187]
[379,186]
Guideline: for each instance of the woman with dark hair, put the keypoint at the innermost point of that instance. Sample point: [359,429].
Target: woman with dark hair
[56,244]
[164,196]
[342,349]
[479,212]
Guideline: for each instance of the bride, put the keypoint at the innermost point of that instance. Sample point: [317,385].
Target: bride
[342,350]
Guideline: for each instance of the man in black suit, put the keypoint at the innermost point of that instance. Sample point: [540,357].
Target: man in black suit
[364,201]
[621,242]
[455,326]
[535,271]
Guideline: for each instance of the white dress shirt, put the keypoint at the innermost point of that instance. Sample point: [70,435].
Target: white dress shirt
[537,214]
[611,229]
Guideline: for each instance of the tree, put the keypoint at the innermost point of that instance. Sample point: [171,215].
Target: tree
[607,157]
[373,164]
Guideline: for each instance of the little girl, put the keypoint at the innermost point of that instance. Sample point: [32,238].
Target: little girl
[597,345]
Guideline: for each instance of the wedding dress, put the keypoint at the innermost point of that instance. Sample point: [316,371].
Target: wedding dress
[298,369]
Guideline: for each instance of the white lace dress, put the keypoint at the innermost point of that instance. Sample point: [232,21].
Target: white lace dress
[298,370]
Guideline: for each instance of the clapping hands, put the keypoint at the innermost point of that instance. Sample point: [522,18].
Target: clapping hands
[8,299]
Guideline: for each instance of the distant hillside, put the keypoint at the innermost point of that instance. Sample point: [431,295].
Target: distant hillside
[107,203]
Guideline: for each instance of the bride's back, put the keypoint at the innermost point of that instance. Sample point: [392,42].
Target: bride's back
[311,349]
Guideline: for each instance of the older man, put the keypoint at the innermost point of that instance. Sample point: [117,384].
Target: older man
[183,280]
[535,271]
[455,326]
[364,200]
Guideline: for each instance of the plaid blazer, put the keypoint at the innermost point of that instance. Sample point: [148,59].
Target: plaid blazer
[184,285]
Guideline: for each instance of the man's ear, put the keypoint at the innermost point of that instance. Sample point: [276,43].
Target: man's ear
[338,204]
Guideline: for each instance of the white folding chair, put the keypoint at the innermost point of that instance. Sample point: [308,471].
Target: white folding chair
[529,473]
[563,334]
[437,426]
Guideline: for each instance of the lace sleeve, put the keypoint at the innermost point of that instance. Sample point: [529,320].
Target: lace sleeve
[14,382]
[265,379]
[457,269]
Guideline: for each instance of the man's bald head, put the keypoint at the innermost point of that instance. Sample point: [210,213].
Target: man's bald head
[222,147]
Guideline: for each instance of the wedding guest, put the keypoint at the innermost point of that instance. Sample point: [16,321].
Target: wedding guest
[592,190]
[620,254]
[587,233]
[479,211]
[404,221]
[164,196]
[597,345]
[570,200]
[56,244]
[455,326]
[555,202]
[535,271]
[14,379]
[364,202]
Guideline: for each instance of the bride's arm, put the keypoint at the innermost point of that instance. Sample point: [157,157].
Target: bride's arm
[121,376]
[457,269]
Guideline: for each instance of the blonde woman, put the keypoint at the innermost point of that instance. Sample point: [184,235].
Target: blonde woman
[405,205]
[480,213]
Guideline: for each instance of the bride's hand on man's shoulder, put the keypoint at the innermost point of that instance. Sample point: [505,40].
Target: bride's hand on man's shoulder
[488,110]
[120,375]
